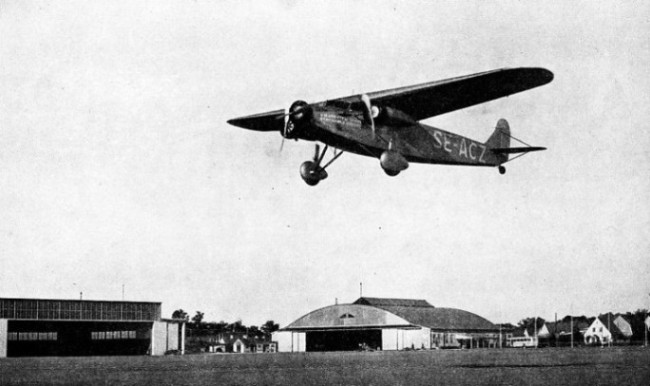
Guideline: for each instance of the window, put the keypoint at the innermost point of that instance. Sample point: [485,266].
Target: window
[106,335]
[27,336]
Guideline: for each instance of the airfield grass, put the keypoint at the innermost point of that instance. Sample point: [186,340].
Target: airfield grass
[584,366]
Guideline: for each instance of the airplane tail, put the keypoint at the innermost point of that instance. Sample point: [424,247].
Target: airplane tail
[499,143]
[500,139]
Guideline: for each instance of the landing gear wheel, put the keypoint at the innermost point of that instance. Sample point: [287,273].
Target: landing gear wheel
[391,173]
[311,173]
[502,170]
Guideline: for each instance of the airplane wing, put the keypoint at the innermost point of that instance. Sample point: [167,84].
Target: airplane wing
[435,98]
[270,121]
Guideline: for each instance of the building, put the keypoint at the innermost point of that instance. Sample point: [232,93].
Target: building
[54,327]
[597,333]
[608,328]
[538,335]
[622,329]
[386,324]
[233,342]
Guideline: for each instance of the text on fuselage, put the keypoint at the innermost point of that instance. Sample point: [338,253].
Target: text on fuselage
[460,146]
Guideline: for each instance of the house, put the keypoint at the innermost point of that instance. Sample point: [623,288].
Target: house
[569,329]
[597,333]
[619,327]
[240,343]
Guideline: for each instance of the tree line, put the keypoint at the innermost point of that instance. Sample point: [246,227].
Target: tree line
[197,326]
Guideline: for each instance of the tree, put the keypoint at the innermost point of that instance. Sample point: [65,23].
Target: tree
[198,318]
[254,331]
[180,314]
[269,327]
[236,326]
[532,324]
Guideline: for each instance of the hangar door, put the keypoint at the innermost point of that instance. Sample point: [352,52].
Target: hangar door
[47,338]
[349,340]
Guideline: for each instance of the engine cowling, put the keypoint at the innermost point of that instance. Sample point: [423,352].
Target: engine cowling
[300,113]
[393,162]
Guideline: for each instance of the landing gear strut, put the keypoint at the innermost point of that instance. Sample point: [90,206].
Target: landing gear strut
[502,170]
[311,171]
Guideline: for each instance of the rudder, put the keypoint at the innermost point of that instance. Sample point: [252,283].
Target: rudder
[500,139]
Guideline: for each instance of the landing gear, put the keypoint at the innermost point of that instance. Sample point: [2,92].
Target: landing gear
[390,173]
[502,170]
[311,171]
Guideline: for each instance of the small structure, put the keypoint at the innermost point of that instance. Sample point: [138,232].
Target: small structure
[56,327]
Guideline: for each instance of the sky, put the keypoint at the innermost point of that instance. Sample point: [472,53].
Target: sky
[118,169]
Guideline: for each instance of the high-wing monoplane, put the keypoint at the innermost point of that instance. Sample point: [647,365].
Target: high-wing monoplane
[385,124]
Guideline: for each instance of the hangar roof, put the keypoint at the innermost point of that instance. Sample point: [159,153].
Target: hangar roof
[384,302]
[348,316]
[422,313]
[78,310]
[391,313]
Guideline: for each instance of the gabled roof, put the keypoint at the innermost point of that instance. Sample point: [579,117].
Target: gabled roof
[609,321]
[387,302]
[561,327]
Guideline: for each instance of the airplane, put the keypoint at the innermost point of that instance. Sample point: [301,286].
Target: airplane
[385,124]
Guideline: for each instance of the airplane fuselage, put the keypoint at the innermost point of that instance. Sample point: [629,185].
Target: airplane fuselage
[417,142]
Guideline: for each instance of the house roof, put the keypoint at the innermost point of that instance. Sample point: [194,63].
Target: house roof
[559,327]
[608,320]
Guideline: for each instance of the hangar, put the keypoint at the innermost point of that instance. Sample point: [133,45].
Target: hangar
[50,327]
[387,324]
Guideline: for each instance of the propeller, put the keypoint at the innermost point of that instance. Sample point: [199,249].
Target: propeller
[298,114]
[368,113]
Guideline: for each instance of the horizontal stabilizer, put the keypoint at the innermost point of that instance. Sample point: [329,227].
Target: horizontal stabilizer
[515,150]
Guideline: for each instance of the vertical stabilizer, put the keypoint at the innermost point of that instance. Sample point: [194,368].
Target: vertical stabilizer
[500,139]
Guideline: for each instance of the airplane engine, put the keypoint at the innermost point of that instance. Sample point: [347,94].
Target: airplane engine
[393,162]
[300,113]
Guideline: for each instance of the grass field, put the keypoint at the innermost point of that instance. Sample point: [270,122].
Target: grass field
[608,366]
